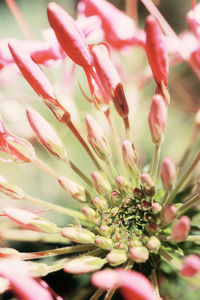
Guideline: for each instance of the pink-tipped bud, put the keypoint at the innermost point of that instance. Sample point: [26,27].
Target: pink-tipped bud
[153,244]
[156,51]
[69,36]
[74,189]
[104,242]
[168,174]
[191,266]
[139,254]
[157,118]
[169,213]
[156,208]
[105,230]
[100,203]
[46,134]
[97,138]
[129,156]
[30,220]
[116,257]
[91,215]
[148,184]
[101,184]
[180,230]
[84,264]
[122,183]
[78,235]
[9,253]
[9,189]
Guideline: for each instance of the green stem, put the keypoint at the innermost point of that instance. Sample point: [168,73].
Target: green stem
[155,162]
[44,167]
[80,173]
[60,209]
[58,265]
[170,259]
[184,178]
[109,294]
[112,168]
[193,238]
[189,204]
[155,284]
[164,199]
[97,294]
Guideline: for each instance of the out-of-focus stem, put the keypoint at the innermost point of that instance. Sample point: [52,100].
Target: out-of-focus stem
[155,162]
[155,284]
[193,238]
[109,294]
[40,164]
[184,178]
[127,128]
[112,168]
[164,200]
[97,294]
[189,204]
[132,9]
[80,173]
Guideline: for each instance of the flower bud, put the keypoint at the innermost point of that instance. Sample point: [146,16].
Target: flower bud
[105,230]
[101,184]
[37,269]
[84,264]
[129,156]
[104,242]
[135,243]
[120,102]
[78,235]
[139,254]
[148,184]
[157,118]
[122,184]
[180,230]
[191,265]
[169,213]
[9,189]
[153,244]
[168,174]
[46,134]
[100,203]
[30,220]
[156,208]
[91,215]
[74,189]
[97,139]
[9,253]
[116,257]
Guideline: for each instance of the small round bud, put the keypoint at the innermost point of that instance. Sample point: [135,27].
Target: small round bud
[139,254]
[116,257]
[191,265]
[153,244]
[181,229]
[84,264]
[104,242]
[168,174]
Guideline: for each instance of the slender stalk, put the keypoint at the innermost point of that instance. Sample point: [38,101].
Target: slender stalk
[184,178]
[109,294]
[164,199]
[155,162]
[58,265]
[57,251]
[80,173]
[155,284]
[112,168]
[127,128]
[172,260]
[58,208]
[75,131]
[193,238]
[97,294]
[188,204]
[132,9]
[44,167]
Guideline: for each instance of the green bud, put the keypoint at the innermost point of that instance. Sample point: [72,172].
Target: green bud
[78,235]
[104,230]
[91,215]
[139,254]
[84,264]
[101,184]
[104,242]
[9,189]
[116,257]
[74,189]
[100,203]
[37,269]
[153,244]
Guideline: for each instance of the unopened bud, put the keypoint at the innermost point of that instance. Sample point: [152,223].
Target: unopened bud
[9,253]
[100,203]
[156,208]
[104,242]
[46,134]
[91,215]
[152,227]
[191,266]
[180,230]
[101,184]
[37,269]
[157,118]
[197,118]
[84,264]
[78,235]
[104,230]
[9,189]
[168,174]
[122,183]
[30,220]
[116,257]
[135,243]
[153,244]
[97,138]
[74,189]
[120,101]
[139,254]
[169,213]
[148,184]
[129,156]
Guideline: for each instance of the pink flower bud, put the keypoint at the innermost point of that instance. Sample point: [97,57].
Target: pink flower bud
[156,208]
[97,138]
[156,51]
[129,155]
[181,229]
[122,183]
[168,174]
[100,203]
[192,18]
[9,253]
[101,184]
[153,244]
[120,102]
[157,118]
[46,134]
[84,264]
[148,184]
[139,254]
[69,36]
[169,213]
[116,257]
[104,242]
[191,265]
[9,189]
[74,189]
[78,235]
[91,215]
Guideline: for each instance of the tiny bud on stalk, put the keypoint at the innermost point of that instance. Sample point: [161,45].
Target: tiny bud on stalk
[168,174]
[180,230]
[74,189]
[78,235]
[84,264]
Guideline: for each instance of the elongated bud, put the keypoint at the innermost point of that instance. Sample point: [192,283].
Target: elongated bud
[105,230]
[78,235]
[101,184]
[30,220]
[84,264]
[104,242]
[181,229]
[90,215]
[9,189]
[129,156]
[37,269]
[168,174]
[157,118]
[74,189]
[100,203]
[156,51]
[169,213]
[9,253]
[122,183]
[148,184]
[139,254]
[46,134]
[69,36]
[153,244]
[120,102]
[97,138]
[116,257]
[191,266]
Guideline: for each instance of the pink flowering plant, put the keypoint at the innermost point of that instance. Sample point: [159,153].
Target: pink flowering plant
[137,221]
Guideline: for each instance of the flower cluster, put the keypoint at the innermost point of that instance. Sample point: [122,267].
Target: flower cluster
[129,220]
